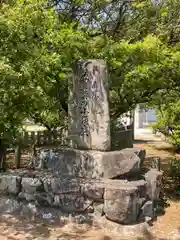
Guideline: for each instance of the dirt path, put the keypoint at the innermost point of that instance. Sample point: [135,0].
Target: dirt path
[16,229]
[156,147]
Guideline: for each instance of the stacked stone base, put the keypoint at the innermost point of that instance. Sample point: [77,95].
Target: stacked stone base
[89,185]
[121,201]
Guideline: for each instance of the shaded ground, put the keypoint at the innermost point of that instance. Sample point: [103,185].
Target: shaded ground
[156,147]
[18,229]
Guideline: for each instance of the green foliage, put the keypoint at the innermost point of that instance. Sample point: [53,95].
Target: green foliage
[174,171]
[39,42]
[169,116]
[173,115]
[35,53]
[139,71]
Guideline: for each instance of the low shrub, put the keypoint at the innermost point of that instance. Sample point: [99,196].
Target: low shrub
[174,169]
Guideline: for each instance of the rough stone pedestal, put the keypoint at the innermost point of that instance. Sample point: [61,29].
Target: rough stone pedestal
[91,163]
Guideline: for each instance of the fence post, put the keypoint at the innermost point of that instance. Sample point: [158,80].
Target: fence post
[18,154]
[132,123]
[3,147]
[3,159]
[38,138]
[34,149]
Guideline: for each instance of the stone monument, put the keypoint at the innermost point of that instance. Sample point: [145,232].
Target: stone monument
[90,177]
[89,120]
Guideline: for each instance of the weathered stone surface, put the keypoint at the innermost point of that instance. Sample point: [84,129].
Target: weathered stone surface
[58,185]
[9,184]
[141,201]
[120,200]
[89,120]
[27,196]
[65,186]
[29,210]
[72,202]
[94,190]
[9,205]
[121,204]
[140,152]
[31,185]
[93,164]
[98,209]
[154,183]
[42,199]
[118,163]
[141,185]
[134,231]
[147,210]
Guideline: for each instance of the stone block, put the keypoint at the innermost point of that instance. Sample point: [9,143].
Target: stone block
[93,190]
[122,200]
[29,210]
[141,202]
[27,196]
[93,164]
[126,232]
[9,205]
[65,186]
[72,203]
[117,163]
[147,210]
[58,185]
[140,152]
[154,183]
[121,203]
[141,185]
[31,185]
[89,119]
[9,184]
[98,209]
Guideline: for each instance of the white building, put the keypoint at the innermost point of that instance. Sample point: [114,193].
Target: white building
[143,117]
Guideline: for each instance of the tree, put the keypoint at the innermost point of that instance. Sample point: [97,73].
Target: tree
[168,121]
[124,29]
[39,43]
[35,53]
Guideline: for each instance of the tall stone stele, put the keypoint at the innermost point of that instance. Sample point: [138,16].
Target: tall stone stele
[89,119]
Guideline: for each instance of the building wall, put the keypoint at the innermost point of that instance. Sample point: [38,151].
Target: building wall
[144,117]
